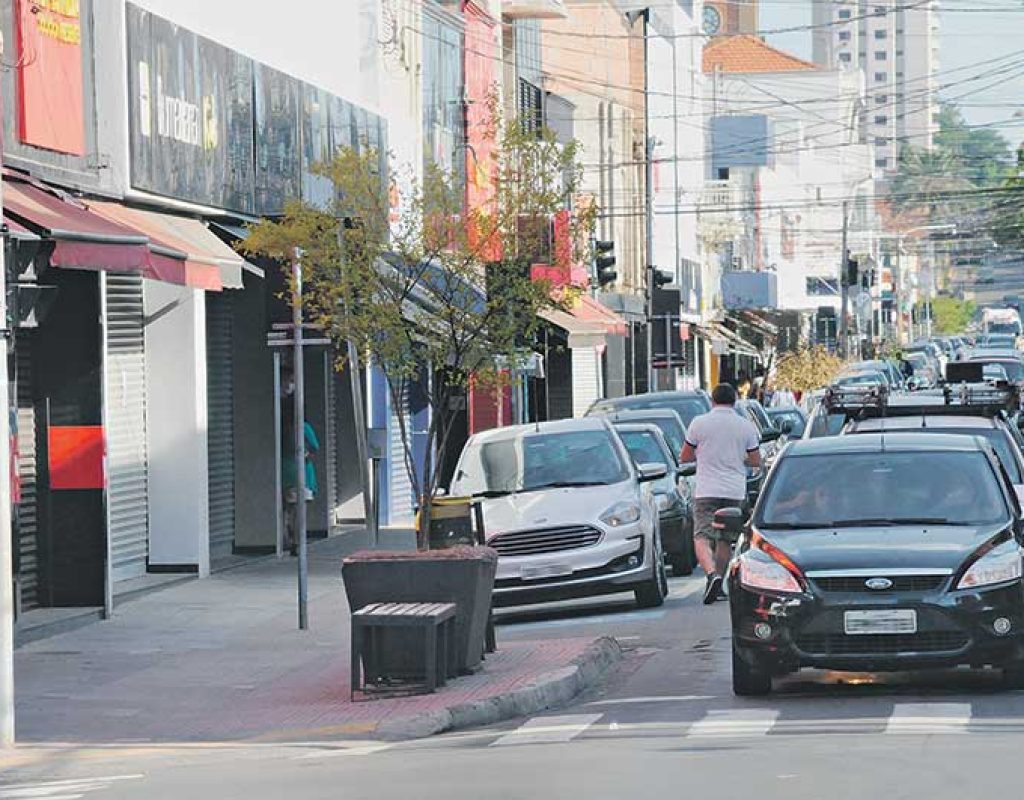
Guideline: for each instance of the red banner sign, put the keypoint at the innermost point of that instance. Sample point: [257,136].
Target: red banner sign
[51,111]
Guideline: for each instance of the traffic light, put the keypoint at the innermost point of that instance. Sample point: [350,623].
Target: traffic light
[604,262]
[852,270]
[659,277]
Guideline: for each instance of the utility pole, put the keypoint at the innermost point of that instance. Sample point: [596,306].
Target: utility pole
[6,543]
[844,332]
[300,442]
[649,214]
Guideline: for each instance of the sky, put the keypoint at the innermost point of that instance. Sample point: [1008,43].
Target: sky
[971,31]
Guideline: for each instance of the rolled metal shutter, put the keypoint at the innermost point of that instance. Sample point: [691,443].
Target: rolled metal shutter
[220,399]
[586,379]
[125,421]
[28,519]
[330,485]
[401,494]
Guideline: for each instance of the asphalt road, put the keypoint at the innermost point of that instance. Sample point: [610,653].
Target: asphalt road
[665,725]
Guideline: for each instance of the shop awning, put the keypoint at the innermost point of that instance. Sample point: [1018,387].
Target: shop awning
[587,308]
[582,332]
[239,232]
[82,239]
[19,232]
[208,263]
[737,344]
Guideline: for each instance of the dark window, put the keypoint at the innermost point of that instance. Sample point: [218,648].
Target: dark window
[881,120]
[844,36]
[844,57]
[881,55]
[844,13]
[882,163]
[879,11]
[531,108]
[880,77]
[881,141]
[822,287]
[882,98]
[881,34]
[851,489]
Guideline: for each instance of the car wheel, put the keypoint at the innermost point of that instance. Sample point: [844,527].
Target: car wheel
[653,591]
[1013,675]
[748,681]
[680,563]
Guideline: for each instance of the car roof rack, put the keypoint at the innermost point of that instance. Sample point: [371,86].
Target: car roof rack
[966,399]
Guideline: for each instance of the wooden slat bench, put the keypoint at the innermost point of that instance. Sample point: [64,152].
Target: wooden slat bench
[436,620]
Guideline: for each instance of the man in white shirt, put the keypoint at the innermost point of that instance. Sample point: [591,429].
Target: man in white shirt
[724,444]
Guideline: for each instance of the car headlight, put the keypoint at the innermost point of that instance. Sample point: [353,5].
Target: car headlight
[758,570]
[624,513]
[664,501]
[996,567]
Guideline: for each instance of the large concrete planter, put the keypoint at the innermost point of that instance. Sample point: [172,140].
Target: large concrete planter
[460,575]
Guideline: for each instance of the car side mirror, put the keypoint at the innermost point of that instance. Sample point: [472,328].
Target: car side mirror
[786,426]
[688,470]
[651,472]
[730,520]
[771,435]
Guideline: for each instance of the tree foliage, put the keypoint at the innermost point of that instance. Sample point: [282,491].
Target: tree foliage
[951,315]
[806,369]
[434,294]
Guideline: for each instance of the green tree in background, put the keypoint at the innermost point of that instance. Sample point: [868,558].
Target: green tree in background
[1008,214]
[981,155]
[951,315]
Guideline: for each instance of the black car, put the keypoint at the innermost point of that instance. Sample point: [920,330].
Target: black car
[687,405]
[878,552]
[647,445]
[790,419]
[668,423]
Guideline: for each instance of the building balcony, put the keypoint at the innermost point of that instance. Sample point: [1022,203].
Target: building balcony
[534,9]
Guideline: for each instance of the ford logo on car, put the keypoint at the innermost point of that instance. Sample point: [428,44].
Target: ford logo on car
[878,584]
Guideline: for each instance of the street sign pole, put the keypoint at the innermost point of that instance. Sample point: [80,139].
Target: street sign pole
[6,544]
[844,331]
[300,442]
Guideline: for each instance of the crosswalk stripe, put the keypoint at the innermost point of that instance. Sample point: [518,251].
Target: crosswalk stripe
[921,718]
[67,789]
[735,722]
[547,730]
[356,750]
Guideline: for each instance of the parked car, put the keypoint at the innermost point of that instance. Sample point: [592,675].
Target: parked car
[791,420]
[926,376]
[857,558]
[1013,367]
[890,369]
[1002,341]
[862,378]
[568,511]
[667,421]
[647,445]
[769,437]
[687,405]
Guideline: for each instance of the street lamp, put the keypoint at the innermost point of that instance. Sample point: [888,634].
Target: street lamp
[900,237]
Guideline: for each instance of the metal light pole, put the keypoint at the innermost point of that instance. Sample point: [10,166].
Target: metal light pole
[300,442]
[6,544]
[844,332]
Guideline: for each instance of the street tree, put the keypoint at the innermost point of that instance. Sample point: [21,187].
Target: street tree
[951,315]
[435,294]
[806,369]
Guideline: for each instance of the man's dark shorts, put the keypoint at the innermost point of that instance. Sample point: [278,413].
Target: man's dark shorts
[704,509]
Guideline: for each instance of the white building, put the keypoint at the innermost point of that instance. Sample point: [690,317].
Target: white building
[785,159]
[897,49]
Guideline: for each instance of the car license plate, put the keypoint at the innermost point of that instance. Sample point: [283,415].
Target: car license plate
[546,571]
[893,620]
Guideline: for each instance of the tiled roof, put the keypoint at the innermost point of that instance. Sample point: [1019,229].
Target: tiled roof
[747,53]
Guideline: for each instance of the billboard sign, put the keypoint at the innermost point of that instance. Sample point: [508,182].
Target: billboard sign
[191,115]
[51,95]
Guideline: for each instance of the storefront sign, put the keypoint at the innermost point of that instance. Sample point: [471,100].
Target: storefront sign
[191,115]
[51,110]
[211,126]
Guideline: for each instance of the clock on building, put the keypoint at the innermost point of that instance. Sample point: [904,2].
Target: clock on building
[712,20]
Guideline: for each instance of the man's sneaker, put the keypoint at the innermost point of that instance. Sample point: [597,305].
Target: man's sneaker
[713,589]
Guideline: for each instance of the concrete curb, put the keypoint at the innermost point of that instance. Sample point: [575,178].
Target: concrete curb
[547,691]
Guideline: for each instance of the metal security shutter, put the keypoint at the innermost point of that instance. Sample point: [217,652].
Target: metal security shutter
[402,500]
[331,442]
[586,379]
[125,415]
[28,521]
[220,399]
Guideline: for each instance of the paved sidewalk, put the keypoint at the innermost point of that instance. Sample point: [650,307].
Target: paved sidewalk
[221,659]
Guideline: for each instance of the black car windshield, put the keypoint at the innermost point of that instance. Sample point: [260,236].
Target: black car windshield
[644,448]
[670,429]
[999,438]
[687,408]
[538,460]
[1014,368]
[863,489]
